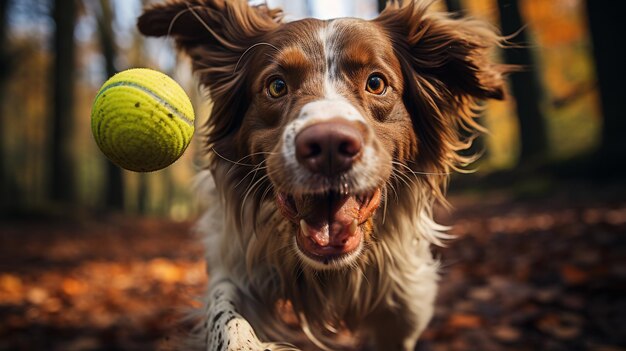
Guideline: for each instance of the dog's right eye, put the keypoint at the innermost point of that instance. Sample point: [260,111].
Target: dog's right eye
[376,84]
[277,88]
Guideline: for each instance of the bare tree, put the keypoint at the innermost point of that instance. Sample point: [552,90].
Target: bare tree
[525,85]
[114,188]
[61,186]
[608,51]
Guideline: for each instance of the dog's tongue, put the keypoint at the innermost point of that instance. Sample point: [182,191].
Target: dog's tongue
[328,220]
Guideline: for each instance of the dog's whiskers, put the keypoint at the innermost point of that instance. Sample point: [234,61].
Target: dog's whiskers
[252,172]
[418,172]
[397,176]
[238,162]
[385,200]
[253,188]
[247,193]
[231,161]
[395,192]
[410,180]
[267,190]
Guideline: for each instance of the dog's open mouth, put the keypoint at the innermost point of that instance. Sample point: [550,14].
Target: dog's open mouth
[330,224]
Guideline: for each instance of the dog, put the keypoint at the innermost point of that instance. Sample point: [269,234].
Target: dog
[329,142]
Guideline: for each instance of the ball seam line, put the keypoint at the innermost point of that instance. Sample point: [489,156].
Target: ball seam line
[152,94]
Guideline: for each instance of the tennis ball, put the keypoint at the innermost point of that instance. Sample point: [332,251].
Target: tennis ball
[142,120]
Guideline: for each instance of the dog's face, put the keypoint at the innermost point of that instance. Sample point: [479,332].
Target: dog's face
[327,112]
[327,117]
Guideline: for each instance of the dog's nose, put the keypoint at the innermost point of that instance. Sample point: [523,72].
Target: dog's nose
[329,148]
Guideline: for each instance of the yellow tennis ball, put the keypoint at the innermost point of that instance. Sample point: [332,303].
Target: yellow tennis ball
[142,120]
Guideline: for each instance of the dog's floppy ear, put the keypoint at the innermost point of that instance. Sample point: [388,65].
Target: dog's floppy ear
[215,34]
[447,67]
[453,54]
[224,22]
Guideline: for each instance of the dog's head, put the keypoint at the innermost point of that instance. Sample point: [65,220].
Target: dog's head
[330,116]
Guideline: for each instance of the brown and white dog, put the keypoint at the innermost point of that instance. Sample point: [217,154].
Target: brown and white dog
[330,143]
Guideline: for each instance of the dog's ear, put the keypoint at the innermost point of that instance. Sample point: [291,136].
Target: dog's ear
[215,34]
[453,54]
[447,67]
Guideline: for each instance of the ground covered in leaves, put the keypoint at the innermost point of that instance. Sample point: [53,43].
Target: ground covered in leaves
[540,273]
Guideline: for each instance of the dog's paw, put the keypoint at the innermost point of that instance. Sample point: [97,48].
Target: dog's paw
[226,330]
[234,333]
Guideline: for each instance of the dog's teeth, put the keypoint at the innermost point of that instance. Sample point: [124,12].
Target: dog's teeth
[353,226]
[305,228]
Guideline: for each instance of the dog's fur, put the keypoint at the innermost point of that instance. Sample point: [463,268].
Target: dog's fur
[265,291]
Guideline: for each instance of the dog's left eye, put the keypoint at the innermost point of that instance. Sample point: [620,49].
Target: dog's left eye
[277,88]
[376,84]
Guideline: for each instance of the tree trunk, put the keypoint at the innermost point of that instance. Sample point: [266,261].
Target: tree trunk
[4,73]
[61,187]
[525,86]
[142,194]
[168,191]
[137,59]
[608,51]
[114,187]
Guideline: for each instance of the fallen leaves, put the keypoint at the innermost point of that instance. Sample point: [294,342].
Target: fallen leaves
[543,275]
[562,326]
[462,321]
[573,275]
[126,290]
[11,289]
[520,276]
[506,334]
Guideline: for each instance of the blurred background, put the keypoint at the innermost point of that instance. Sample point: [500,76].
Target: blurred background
[96,258]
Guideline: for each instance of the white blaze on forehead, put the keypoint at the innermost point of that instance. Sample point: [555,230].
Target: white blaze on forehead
[328,37]
[327,108]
